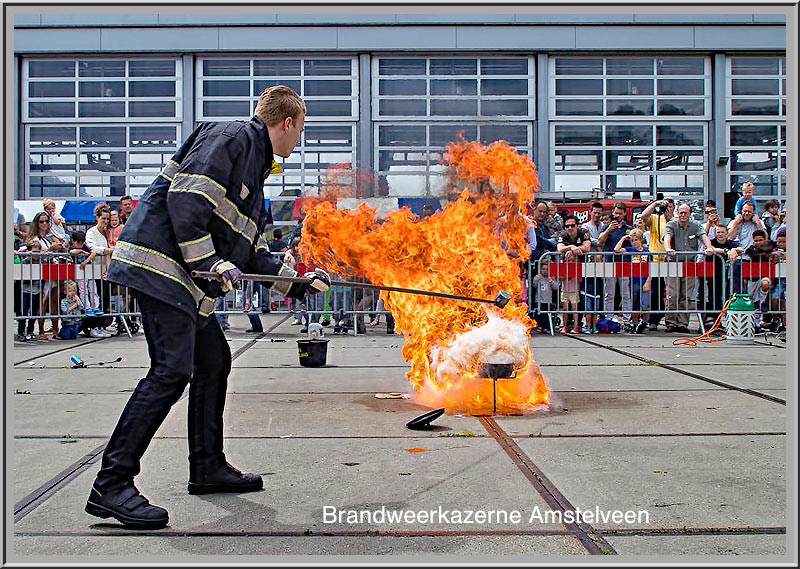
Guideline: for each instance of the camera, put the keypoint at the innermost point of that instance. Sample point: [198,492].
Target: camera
[661,208]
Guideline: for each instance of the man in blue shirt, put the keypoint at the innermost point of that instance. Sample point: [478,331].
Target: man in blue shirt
[610,234]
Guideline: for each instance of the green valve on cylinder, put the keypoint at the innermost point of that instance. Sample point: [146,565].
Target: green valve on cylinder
[742,302]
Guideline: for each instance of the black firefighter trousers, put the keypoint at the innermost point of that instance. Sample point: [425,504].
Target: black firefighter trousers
[181,351]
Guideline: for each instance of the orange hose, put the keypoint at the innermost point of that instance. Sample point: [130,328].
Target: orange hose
[707,336]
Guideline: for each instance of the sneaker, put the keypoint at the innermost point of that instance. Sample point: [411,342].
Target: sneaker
[575,330]
[296,322]
[95,333]
[253,331]
[31,337]
[246,307]
[89,312]
[326,321]
[98,311]
[43,336]
[641,327]
[20,338]
[653,327]
[563,329]
[128,506]
[304,330]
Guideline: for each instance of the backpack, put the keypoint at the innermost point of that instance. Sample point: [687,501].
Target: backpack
[607,326]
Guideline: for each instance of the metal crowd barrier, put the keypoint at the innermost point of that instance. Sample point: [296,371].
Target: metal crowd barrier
[611,284]
[40,286]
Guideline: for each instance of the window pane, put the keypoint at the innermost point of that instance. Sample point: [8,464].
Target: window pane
[629,135]
[629,86]
[99,68]
[453,107]
[151,68]
[754,135]
[629,160]
[579,160]
[51,68]
[101,109]
[153,136]
[52,186]
[152,109]
[628,107]
[754,65]
[765,185]
[226,88]
[215,67]
[113,136]
[103,161]
[783,136]
[680,66]
[52,89]
[504,86]
[148,161]
[680,86]
[504,66]
[577,183]
[750,160]
[402,160]
[515,135]
[327,136]
[327,66]
[329,108]
[400,107]
[152,89]
[579,86]
[102,186]
[226,108]
[51,110]
[681,107]
[679,160]
[442,134]
[52,161]
[409,135]
[101,89]
[629,66]
[402,87]
[401,67]
[578,135]
[679,135]
[754,86]
[454,87]
[579,66]
[260,84]
[629,182]
[328,88]
[49,136]
[504,107]
[454,67]
[576,107]
[276,67]
[742,107]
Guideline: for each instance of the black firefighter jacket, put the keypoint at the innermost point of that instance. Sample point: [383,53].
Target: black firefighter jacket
[207,204]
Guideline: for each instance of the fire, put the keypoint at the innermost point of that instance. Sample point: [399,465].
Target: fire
[458,250]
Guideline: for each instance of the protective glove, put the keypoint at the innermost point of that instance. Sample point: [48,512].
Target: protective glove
[320,281]
[230,274]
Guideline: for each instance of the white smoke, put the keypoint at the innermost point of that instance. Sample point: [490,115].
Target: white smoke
[499,341]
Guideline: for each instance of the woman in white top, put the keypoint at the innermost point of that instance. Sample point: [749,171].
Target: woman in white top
[97,240]
[57,227]
[39,232]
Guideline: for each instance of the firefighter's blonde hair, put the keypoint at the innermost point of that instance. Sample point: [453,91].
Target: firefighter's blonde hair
[278,102]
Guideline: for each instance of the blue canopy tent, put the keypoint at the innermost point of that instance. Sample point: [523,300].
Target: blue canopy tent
[79,211]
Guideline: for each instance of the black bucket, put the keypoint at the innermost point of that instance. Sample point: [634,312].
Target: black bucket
[312,353]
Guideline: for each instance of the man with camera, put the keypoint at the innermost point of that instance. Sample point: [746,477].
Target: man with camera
[655,217]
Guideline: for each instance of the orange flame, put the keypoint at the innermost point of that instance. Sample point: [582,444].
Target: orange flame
[458,250]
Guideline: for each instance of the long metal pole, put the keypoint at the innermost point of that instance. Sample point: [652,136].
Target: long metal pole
[274,278]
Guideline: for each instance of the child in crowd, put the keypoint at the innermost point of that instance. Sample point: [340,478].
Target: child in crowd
[770,216]
[759,285]
[747,189]
[570,296]
[639,285]
[544,286]
[82,255]
[71,306]
[606,218]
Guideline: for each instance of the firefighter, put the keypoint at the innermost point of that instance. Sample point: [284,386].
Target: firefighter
[204,211]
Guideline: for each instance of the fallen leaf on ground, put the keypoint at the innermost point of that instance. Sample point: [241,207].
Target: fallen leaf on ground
[417,450]
[392,396]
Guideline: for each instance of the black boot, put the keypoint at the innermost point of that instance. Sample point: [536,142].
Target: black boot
[128,506]
[222,479]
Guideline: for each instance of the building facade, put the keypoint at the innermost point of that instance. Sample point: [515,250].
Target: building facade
[615,105]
